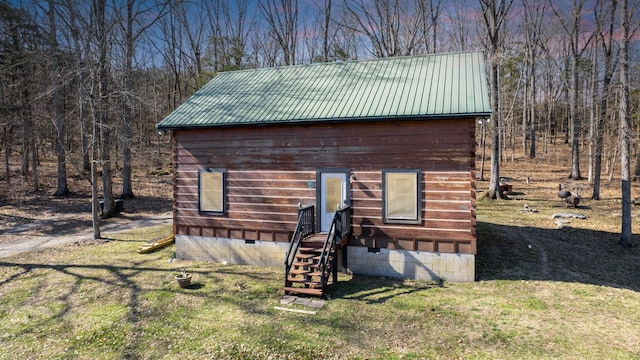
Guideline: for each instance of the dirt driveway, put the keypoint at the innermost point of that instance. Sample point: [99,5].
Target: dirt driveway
[38,234]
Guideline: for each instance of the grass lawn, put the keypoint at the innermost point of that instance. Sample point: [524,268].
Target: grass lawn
[106,301]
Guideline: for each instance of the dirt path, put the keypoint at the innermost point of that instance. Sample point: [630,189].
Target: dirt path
[20,238]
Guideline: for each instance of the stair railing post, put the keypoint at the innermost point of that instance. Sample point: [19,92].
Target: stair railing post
[302,229]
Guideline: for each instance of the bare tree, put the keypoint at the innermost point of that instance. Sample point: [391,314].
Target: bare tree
[429,12]
[577,46]
[15,32]
[76,22]
[533,24]
[192,26]
[325,30]
[459,32]
[345,44]
[605,20]
[390,25]
[494,13]
[63,188]
[282,18]
[131,35]
[625,120]
[181,61]
[230,28]
[127,188]
[102,43]
[22,43]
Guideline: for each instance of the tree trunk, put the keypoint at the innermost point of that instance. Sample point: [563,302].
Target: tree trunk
[625,135]
[86,163]
[483,125]
[95,209]
[577,44]
[592,113]
[599,135]
[7,152]
[607,46]
[566,117]
[325,33]
[62,189]
[105,134]
[532,101]
[435,14]
[26,134]
[494,182]
[636,173]
[34,162]
[494,13]
[575,128]
[81,91]
[5,136]
[127,189]
[533,20]
[525,99]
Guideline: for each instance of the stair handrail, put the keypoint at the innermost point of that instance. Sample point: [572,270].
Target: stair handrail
[305,226]
[340,228]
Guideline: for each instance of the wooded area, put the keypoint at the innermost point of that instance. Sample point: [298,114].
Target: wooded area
[83,83]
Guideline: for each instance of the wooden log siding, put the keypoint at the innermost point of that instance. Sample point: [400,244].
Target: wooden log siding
[448,214]
[269,168]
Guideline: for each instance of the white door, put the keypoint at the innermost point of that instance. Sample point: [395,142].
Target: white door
[333,196]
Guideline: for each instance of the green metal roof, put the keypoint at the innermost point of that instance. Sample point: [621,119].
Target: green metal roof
[426,86]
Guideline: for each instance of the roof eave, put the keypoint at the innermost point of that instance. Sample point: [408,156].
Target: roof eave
[161,127]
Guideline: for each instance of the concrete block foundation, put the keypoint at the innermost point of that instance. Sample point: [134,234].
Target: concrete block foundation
[419,265]
[233,251]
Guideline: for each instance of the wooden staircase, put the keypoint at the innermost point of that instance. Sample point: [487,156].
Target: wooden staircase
[306,275]
[312,257]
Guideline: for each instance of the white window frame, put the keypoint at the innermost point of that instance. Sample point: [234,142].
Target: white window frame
[203,206]
[387,183]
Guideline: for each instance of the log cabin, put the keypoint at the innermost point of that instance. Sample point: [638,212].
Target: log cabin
[366,167]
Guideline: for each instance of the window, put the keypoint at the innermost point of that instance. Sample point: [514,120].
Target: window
[211,191]
[401,196]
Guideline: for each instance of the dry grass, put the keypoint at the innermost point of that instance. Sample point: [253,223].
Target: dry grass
[20,206]
[107,301]
[584,251]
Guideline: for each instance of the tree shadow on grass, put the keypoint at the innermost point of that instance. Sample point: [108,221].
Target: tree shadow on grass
[375,289]
[125,285]
[106,277]
[565,255]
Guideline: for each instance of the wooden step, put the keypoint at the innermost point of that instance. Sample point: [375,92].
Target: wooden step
[319,237]
[306,264]
[306,256]
[305,291]
[299,272]
[311,260]
[317,242]
[306,249]
[308,283]
[306,273]
[310,250]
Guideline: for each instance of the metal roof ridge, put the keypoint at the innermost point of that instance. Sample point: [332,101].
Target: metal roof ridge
[354,61]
